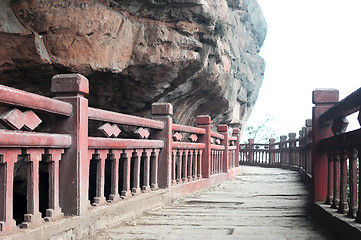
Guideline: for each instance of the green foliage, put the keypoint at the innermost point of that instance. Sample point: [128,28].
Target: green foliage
[220,28]
[261,133]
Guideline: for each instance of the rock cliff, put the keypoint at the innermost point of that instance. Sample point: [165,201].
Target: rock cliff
[199,55]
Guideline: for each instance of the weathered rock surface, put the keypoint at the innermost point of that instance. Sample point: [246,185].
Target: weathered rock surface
[199,55]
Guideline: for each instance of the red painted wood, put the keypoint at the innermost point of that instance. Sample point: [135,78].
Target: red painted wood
[217,147]
[217,135]
[223,130]
[155,169]
[336,181]
[187,129]
[26,139]
[343,206]
[163,112]
[53,157]
[120,118]
[114,157]
[358,214]
[323,100]
[15,97]
[330,179]
[146,177]
[185,145]
[8,157]
[33,216]
[75,162]
[118,143]
[352,154]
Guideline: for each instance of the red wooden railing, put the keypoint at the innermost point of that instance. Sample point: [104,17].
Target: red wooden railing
[87,155]
[324,151]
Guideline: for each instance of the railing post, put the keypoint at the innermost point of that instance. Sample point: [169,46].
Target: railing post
[74,167]
[235,133]
[271,149]
[223,129]
[292,146]
[163,112]
[308,145]
[283,155]
[251,150]
[323,100]
[204,121]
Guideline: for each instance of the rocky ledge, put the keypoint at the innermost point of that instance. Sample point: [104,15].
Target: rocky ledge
[199,55]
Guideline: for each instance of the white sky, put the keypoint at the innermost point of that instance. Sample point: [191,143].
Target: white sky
[310,44]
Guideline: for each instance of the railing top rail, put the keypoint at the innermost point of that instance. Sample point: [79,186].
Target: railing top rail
[120,118]
[117,143]
[217,147]
[345,107]
[184,145]
[232,138]
[16,97]
[342,141]
[35,140]
[188,129]
[217,135]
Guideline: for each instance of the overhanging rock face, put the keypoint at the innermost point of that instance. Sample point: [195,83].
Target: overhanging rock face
[199,55]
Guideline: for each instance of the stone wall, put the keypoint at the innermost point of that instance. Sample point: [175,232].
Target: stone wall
[199,55]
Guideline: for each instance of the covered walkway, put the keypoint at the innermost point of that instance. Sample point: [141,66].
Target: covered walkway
[260,203]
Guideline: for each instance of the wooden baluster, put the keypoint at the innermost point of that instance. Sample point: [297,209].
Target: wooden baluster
[343,206]
[199,166]
[146,156]
[114,156]
[33,216]
[8,157]
[214,161]
[126,157]
[185,163]
[251,152]
[330,178]
[190,164]
[195,164]
[136,178]
[221,166]
[53,157]
[352,153]
[336,181]
[180,164]
[358,215]
[155,160]
[100,156]
[217,161]
[211,163]
[221,160]
[174,167]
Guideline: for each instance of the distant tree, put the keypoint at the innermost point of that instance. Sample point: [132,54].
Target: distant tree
[263,132]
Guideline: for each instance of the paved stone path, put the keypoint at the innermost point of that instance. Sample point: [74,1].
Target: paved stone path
[259,203]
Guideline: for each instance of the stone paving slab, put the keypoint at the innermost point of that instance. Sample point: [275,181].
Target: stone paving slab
[260,203]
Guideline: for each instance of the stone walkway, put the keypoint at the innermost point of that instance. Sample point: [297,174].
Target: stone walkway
[260,203]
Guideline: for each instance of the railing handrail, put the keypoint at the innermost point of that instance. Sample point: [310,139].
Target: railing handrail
[34,140]
[118,143]
[217,135]
[15,97]
[186,145]
[188,129]
[217,147]
[120,118]
[345,107]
